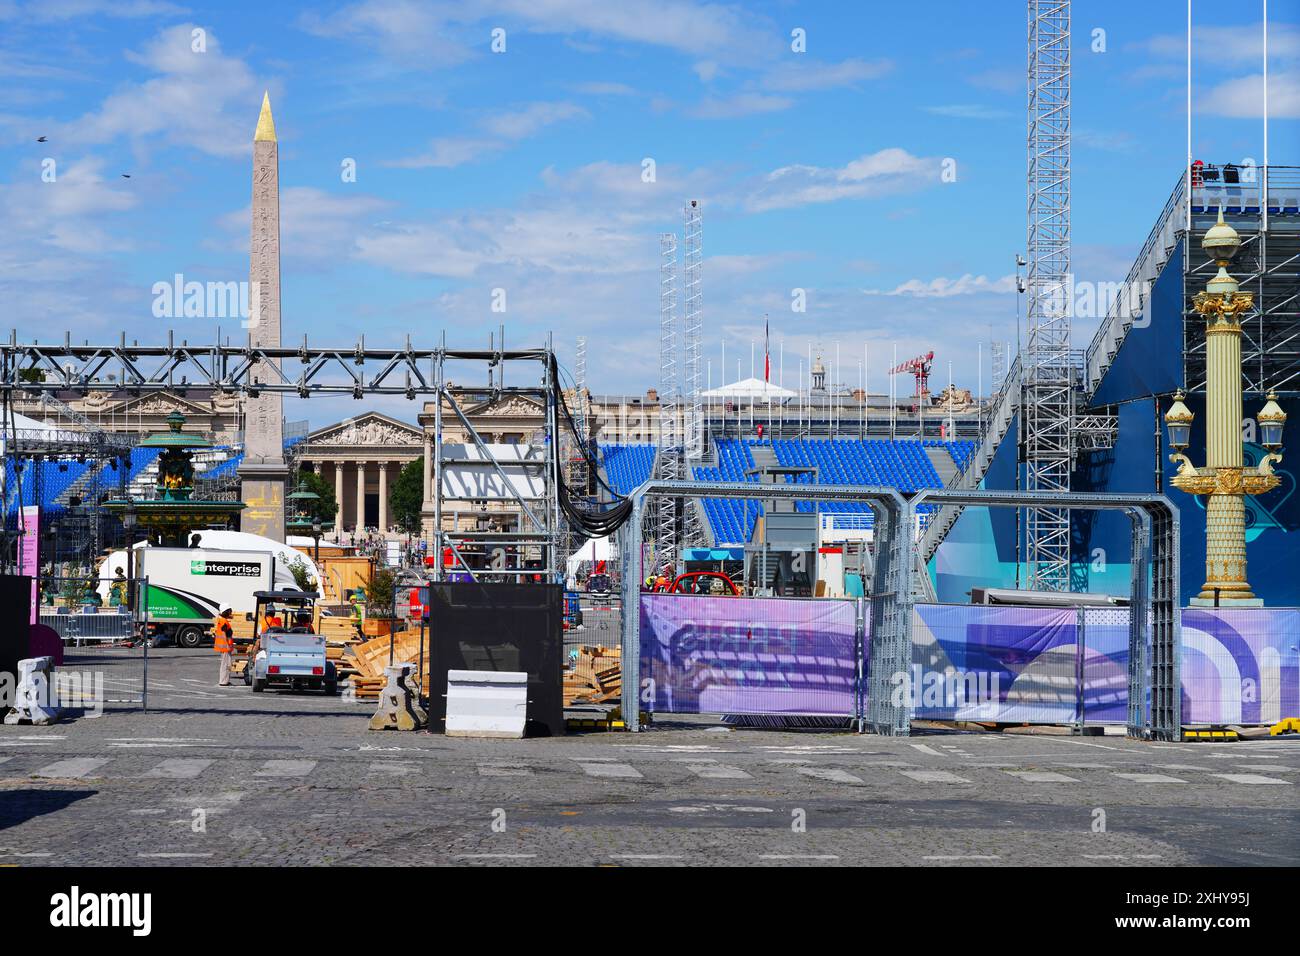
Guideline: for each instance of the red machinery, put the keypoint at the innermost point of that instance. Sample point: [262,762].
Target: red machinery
[920,369]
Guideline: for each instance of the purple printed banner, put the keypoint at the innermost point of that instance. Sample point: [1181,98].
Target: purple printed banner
[748,656]
[1003,664]
[969,662]
[1013,664]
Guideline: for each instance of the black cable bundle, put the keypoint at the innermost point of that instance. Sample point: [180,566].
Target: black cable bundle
[589,517]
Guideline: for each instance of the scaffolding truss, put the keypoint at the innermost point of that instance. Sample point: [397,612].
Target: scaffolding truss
[531,545]
[669,465]
[1268,264]
[1047,406]
[693,259]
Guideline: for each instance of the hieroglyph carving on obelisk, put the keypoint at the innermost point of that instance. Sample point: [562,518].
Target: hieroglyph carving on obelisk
[263,472]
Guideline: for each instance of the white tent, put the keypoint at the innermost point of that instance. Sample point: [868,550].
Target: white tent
[596,549]
[33,430]
[751,389]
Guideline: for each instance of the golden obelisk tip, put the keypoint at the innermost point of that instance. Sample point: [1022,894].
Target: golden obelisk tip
[265,124]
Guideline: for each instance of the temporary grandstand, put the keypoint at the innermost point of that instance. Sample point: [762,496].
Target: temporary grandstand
[906,464]
[1150,344]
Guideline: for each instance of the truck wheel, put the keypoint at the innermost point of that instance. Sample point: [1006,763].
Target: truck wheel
[331,680]
[189,637]
[258,686]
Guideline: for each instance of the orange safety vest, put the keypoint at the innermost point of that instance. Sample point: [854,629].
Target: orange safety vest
[223,639]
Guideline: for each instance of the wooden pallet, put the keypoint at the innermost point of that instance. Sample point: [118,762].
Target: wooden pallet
[596,677]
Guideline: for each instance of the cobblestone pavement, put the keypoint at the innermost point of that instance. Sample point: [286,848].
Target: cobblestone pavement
[221,776]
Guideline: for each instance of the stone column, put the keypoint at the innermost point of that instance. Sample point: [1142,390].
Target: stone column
[383,497]
[361,495]
[263,471]
[338,500]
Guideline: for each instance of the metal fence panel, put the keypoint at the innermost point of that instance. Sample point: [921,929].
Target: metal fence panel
[1105,641]
[749,656]
[989,663]
[104,665]
[1240,665]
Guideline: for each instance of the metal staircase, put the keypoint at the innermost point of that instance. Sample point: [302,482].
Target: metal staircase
[1128,306]
[1004,407]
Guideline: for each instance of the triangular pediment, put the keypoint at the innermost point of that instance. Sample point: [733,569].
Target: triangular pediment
[508,406]
[370,429]
[160,403]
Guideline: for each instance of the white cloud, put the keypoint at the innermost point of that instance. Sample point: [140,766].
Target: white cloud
[501,129]
[1243,97]
[55,10]
[203,100]
[714,31]
[972,111]
[885,172]
[599,88]
[942,288]
[1230,45]
[802,75]
[66,214]
[437,34]
[417,32]
[742,104]
[314,225]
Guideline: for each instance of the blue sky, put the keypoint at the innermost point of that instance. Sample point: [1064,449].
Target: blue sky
[523,170]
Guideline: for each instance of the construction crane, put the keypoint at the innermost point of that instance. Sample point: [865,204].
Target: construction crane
[919,368]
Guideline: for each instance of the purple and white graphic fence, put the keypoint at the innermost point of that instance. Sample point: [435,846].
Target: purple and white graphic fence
[969,662]
[748,656]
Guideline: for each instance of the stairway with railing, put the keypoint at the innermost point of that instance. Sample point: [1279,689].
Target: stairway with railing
[1002,412]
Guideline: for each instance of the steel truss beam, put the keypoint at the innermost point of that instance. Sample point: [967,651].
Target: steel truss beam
[246,369]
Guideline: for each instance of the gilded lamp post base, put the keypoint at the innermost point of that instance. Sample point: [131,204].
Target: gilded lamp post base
[1225,491]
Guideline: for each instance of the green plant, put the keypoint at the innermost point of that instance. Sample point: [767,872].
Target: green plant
[302,574]
[381,594]
[326,508]
[406,498]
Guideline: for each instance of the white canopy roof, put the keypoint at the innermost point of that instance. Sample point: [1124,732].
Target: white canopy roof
[752,388]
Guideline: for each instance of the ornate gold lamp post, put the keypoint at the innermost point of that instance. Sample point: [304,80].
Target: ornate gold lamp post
[1224,480]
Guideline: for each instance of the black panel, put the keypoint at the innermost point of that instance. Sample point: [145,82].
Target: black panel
[499,627]
[15,615]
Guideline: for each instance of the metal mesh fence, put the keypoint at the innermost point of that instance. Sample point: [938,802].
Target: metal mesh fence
[89,628]
[1103,642]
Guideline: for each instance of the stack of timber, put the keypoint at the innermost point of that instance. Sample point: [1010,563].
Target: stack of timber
[596,677]
[368,660]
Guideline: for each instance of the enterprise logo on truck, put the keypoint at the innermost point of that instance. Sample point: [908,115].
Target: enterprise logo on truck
[229,569]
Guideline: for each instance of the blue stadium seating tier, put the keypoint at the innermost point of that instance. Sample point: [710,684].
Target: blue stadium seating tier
[56,477]
[901,464]
[627,466]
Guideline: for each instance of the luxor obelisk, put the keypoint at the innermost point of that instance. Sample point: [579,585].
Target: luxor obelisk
[263,472]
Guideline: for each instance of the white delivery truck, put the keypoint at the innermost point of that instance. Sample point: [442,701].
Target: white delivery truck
[188,587]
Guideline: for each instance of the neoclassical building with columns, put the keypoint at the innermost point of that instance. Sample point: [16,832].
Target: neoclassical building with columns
[362,456]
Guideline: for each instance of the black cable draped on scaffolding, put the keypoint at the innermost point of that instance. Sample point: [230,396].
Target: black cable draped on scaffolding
[589,516]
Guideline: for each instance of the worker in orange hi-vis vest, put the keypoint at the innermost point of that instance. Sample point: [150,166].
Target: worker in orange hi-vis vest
[223,641]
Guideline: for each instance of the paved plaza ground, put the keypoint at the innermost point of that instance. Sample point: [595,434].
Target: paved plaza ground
[223,776]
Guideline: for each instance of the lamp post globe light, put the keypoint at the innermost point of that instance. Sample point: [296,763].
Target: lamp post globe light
[1224,480]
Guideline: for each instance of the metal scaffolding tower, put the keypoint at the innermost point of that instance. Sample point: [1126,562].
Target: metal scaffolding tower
[577,455]
[694,321]
[1046,410]
[670,465]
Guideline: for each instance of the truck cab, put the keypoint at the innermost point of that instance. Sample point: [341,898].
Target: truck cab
[286,652]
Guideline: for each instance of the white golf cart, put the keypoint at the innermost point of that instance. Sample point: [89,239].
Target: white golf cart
[286,652]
